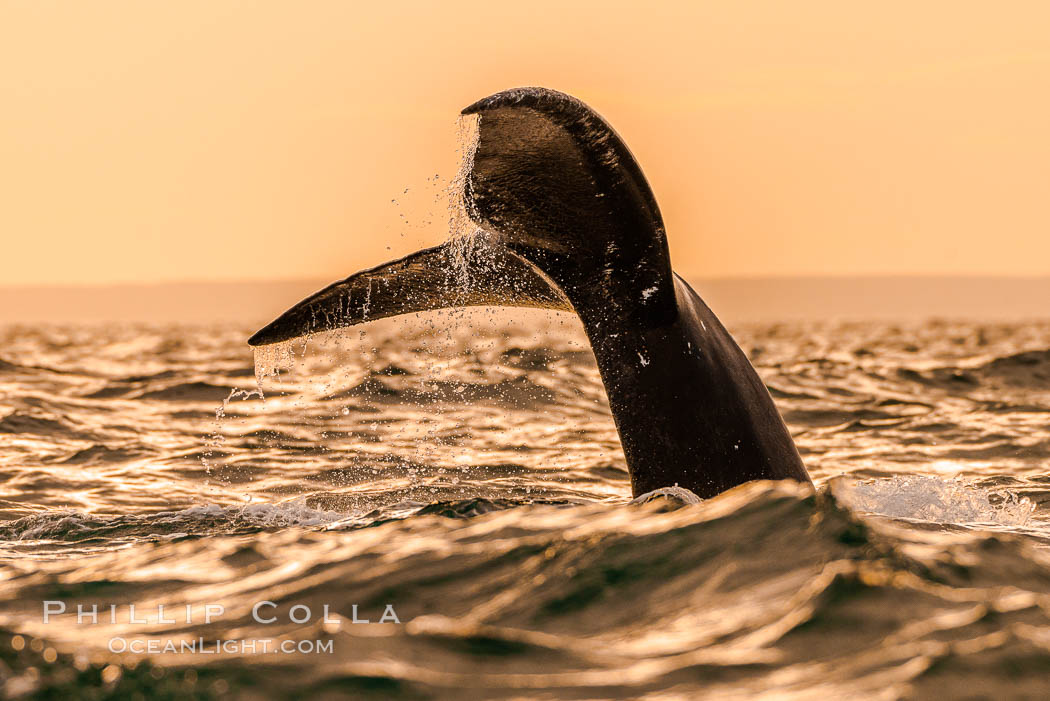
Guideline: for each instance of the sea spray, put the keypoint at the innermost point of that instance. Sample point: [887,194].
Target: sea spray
[214,441]
[468,246]
[934,499]
[272,359]
[468,135]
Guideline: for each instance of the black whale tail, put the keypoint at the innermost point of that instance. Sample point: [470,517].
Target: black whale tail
[573,225]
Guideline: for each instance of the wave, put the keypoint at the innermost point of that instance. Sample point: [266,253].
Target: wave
[7,366]
[189,392]
[600,601]
[146,387]
[1026,370]
[19,422]
[100,454]
[519,392]
[331,511]
[203,520]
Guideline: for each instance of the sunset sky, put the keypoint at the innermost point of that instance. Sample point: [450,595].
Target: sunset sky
[214,140]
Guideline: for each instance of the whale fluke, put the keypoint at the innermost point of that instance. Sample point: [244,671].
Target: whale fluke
[571,224]
[423,281]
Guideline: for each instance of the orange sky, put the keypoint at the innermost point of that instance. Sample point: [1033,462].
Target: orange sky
[223,140]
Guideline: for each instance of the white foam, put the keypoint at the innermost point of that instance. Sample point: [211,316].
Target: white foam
[294,512]
[935,499]
[676,495]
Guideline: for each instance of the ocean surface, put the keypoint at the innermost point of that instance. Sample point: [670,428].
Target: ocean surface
[457,476]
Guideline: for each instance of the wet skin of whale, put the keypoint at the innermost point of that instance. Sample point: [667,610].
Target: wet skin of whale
[569,222]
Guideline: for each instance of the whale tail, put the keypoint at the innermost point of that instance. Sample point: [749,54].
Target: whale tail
[566,219]
[563,218]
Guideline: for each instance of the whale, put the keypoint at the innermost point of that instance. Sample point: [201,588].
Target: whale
[564,219]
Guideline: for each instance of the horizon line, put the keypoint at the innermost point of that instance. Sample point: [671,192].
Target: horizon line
[838,277]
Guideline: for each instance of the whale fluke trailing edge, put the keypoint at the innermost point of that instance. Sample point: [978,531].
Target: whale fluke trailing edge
[574,226]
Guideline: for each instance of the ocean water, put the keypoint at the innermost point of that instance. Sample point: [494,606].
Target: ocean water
[457,475]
